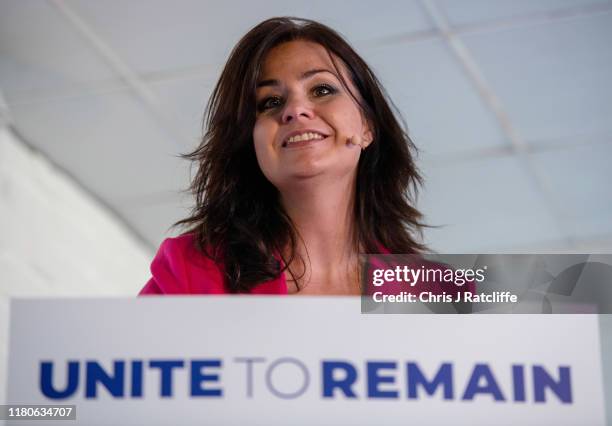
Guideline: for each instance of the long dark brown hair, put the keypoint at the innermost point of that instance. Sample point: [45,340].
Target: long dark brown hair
[238,219]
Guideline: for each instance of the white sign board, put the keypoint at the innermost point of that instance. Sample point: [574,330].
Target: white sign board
[299,360]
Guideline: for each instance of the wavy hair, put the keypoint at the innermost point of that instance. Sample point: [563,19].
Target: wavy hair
[238,219]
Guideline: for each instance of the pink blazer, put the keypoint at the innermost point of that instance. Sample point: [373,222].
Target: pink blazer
[179,268]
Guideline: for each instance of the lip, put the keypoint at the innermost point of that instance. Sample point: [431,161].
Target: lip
[299,132]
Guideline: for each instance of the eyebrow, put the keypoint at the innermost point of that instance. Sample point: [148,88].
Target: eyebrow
[303,76]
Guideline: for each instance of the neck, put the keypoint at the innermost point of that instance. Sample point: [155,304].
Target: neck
[323,216]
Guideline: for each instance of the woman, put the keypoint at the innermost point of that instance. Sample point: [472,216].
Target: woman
[303,167]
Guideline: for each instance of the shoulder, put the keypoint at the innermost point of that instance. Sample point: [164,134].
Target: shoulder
[179,267]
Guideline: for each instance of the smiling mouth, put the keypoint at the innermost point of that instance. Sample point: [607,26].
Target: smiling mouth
[302,139]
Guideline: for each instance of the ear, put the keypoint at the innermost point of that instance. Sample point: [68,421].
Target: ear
[367,135]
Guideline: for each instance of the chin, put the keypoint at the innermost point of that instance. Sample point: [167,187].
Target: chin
[313,170]
[305,174]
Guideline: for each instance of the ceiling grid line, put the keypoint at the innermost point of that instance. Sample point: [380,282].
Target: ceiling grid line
[591,245]
[535,18]
[492,101]
[533,147]
[498,24]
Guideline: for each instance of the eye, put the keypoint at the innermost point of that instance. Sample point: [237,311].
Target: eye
[269,103]
[323,90]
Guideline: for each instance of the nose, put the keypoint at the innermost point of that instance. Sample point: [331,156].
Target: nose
[295,109]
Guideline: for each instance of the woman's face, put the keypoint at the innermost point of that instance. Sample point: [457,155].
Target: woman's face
[306,118]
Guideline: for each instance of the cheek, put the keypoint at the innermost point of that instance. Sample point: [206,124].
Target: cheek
[263,140]
[345,117]
[260,134]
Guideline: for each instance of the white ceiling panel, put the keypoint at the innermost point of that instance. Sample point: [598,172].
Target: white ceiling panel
[593,229]
[472,11]
[484,205]
[109,142]
[580,179]
[554,79]
[360,21]
[443,111]
[188,98]
[39,51]
[158,36]
[154,35]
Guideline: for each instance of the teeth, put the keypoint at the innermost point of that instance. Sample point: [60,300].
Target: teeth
[305,137]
